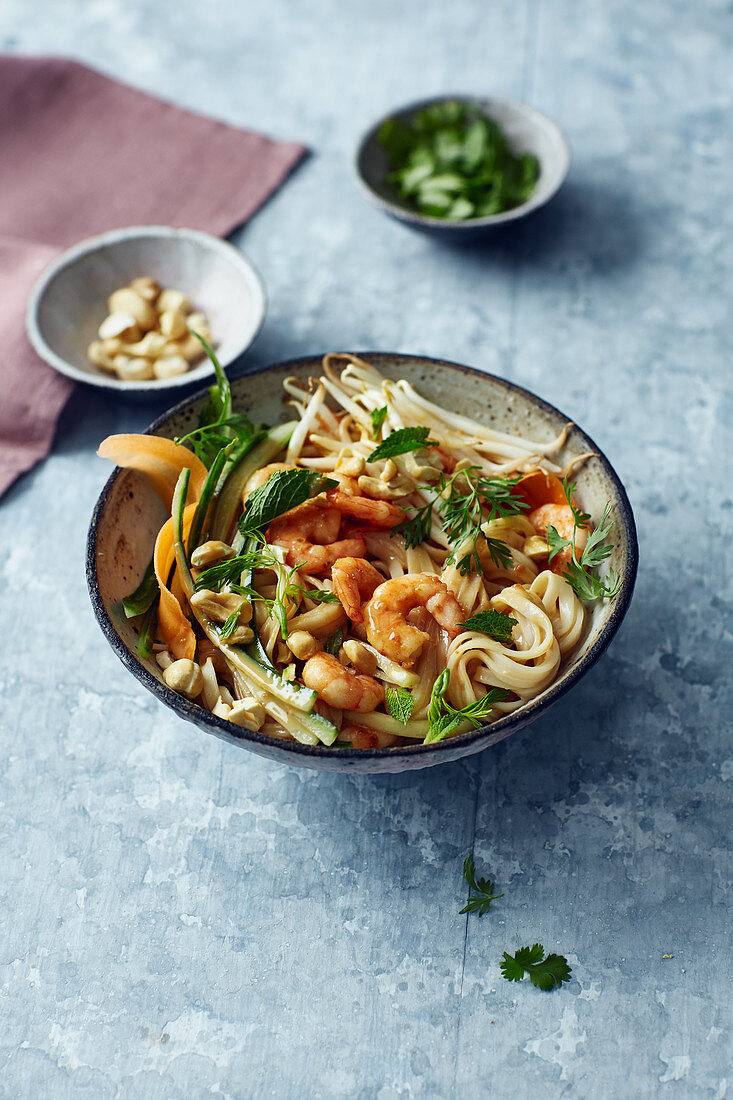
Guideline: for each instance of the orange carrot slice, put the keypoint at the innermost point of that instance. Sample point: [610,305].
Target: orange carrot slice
[161,459]
[540,487]
[175,629]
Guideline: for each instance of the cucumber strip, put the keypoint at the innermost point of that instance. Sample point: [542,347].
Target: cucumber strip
[148,627]
[298,699]
[385,723]
[230,498]
[202,508]
[391,671]
[140,601]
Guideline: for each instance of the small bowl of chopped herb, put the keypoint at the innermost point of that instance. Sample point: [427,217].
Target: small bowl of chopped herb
[459,166]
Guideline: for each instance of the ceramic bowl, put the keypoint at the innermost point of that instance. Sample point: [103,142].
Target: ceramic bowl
[69,301]
[527,130]
[128,515]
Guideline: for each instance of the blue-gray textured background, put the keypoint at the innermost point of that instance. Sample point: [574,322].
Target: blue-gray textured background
[181,919]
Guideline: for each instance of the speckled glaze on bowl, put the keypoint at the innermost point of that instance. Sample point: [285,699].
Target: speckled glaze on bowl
[128,515]
[527,131]
[69,301]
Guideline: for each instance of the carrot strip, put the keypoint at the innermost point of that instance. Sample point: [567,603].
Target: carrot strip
[540,487]
[174,627]
[161,459]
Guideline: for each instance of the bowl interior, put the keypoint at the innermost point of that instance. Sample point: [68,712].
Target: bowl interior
[129,514]
[72,300]
[527,131]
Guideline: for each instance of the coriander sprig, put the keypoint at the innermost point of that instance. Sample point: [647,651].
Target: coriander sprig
[466,501]
[481,890]
[548,972]
[586,584]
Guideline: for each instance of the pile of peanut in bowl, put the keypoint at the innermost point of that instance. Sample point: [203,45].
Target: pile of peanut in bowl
[148,333]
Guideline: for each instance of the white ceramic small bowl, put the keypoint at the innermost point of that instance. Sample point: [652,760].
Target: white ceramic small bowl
[527,131]
[69,301]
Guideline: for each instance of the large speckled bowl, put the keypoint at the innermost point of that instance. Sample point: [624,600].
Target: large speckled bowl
[128,515]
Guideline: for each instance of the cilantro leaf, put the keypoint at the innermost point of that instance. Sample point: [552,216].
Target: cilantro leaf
[400,703]
[492,623]
[481,890]
[284,490]
[400,442]
[378,418]
[545,973]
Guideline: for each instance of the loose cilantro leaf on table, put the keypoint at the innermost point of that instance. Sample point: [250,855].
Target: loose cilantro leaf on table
[451,161]
[481,890]
[400,703]
[400,442]
[492,623]
[545,972]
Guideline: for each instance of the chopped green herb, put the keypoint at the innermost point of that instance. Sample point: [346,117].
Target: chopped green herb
[400,442]
[481,890]
[544,972]
[586,584]
[493,624]
[466,501]
[286,489]
[400,703]
[451,161]
[230,624]
[334,642]
[444,719]
[378,418]
[320,595]
[218,424]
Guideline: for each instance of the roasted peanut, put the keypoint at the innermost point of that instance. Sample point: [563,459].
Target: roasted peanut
[302,644]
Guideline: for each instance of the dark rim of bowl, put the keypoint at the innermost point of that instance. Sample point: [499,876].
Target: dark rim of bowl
[504,726]
[414,217]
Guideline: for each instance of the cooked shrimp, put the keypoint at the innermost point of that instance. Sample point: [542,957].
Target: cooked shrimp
[386,615]
[363,737]
[559,516]
[259,477]
[310,533]
[373,513]
[341,687]
[354,582]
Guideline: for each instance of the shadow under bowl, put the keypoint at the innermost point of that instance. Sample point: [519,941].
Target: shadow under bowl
[128,516]
[69,301]
[527,130]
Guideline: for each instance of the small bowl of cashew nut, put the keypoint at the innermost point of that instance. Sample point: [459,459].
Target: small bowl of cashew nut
[119,310]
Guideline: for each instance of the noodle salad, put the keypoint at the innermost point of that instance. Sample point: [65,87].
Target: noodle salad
[376,572]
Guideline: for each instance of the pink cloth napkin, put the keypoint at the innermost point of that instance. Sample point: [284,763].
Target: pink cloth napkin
[81,154]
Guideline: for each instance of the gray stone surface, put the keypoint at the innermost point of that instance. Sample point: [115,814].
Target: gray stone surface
[182,919]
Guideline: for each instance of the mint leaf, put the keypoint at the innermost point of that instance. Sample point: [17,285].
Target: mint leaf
[492,623]
[400,703]
[400,442]
[286,489]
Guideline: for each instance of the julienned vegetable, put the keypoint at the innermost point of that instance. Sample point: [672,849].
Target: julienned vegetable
[452,161]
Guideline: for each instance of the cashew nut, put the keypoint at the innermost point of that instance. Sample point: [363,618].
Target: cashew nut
[120,324]
[133,370]
[209,552]
[302,644]
[185,677]
[170,366]
[129,301]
